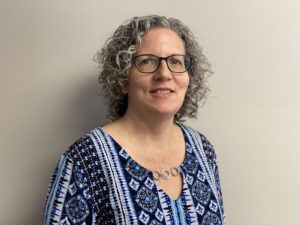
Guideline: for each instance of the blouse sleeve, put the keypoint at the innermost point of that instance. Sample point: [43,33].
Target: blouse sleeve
[68,199]
[212,161]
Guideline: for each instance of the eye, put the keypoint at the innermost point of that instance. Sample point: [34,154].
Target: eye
[175,61]
[145,61]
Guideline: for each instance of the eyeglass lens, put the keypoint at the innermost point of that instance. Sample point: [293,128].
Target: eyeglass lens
[150,63]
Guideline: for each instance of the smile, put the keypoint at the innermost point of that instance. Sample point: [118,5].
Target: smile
[162,91]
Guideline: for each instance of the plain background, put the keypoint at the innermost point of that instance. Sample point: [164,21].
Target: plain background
[49,97]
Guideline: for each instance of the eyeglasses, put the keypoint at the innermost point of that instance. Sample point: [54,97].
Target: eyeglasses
[148,63]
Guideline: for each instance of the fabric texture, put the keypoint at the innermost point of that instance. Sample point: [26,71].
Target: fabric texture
[97,182]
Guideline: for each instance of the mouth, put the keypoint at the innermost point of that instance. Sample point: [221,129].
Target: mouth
[162,91]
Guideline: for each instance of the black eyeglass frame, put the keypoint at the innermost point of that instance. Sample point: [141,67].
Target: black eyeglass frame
[187,67]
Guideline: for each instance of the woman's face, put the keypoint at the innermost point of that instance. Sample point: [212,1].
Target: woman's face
[161,92]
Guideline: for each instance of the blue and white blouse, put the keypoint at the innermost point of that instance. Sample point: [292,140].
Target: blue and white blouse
[97,182]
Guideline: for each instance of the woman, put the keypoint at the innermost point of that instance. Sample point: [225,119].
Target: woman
[145,167]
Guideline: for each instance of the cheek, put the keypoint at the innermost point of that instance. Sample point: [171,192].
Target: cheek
[136,87]
[185,84]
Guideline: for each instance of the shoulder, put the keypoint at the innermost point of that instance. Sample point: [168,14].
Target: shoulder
[79,147]
[84,147]
[82,158]
[85,155]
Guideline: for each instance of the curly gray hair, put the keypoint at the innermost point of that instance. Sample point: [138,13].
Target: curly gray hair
[115,60]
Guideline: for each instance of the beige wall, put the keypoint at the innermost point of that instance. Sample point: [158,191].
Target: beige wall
[49,97]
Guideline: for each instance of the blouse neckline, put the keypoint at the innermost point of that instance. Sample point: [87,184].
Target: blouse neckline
[150,172]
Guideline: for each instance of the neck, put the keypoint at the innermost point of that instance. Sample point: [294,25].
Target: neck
[150,128]
[151,141]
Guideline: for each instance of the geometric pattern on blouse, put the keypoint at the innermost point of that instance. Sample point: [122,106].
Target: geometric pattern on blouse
[97,182]
[146,199]
[77,209]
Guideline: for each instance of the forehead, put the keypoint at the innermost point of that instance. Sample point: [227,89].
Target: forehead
[161,42]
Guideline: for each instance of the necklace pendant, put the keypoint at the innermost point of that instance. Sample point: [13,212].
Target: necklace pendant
[165,174]
[174,171]
[156,175]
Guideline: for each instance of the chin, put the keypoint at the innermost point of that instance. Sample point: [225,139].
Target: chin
[167,111]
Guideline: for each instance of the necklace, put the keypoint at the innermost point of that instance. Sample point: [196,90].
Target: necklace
[165,174]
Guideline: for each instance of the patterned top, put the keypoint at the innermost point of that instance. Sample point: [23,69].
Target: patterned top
[97,182]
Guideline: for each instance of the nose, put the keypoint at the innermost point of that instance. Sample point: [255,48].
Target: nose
[163,71]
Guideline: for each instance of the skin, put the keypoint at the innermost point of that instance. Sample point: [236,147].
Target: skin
[147,130]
